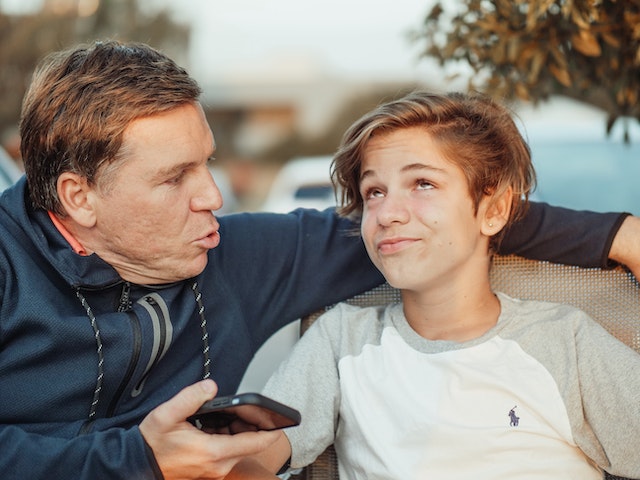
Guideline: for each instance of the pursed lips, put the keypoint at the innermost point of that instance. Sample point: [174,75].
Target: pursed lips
[392,245]
[211,239]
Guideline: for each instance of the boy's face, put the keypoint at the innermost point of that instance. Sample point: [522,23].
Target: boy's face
[418,222]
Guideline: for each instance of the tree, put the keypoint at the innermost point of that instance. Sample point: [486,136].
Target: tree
[25,39]
[588,50]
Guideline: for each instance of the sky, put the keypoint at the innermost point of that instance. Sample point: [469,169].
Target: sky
[336,37]
[341,38]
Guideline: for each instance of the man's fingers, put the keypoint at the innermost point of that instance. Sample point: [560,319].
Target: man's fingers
[246,443]
[185,403]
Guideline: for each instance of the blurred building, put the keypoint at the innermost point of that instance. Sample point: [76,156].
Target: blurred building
[261,124]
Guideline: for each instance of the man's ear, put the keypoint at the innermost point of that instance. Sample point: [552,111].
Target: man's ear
[496,214]
[76,198]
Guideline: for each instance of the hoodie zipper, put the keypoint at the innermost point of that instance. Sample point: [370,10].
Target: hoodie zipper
[124,306]
[162,335]
[137,346]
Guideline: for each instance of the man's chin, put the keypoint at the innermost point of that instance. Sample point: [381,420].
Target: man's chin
[197,267]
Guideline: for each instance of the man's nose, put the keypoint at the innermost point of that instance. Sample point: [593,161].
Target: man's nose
[208,196]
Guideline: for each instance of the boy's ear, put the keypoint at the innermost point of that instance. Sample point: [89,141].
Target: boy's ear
[76,198]
[497,212]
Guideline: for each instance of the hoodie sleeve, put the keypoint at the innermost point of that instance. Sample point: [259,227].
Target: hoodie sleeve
[292,264]
[562,235]
[284,266]
[116,454]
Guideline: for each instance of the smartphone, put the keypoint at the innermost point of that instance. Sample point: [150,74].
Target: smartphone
[244,412]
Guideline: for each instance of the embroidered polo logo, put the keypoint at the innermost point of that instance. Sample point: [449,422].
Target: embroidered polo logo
[514,419]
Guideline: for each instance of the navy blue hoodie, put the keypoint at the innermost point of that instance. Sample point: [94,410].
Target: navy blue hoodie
[84,356]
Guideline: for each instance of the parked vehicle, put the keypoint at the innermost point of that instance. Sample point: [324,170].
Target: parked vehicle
[578,165]
[588,174]
[9,171]
[302,182]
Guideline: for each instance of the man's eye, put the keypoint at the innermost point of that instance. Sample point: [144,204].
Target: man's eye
[176,179]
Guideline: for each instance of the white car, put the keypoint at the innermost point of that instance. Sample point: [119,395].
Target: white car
[302,182]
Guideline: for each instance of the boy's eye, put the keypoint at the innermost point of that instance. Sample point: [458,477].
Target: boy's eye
[372,193]
[424,184]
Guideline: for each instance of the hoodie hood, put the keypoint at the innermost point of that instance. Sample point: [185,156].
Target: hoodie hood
[34,226]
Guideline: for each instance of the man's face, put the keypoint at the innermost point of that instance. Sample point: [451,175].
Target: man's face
[154,220]
[418,223]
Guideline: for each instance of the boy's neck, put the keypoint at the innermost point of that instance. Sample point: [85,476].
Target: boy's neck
[449,316]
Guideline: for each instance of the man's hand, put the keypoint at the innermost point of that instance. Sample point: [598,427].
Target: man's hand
[625,248]
[184,452]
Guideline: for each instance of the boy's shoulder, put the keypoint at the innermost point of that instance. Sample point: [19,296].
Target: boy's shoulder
[547,318]
[355,313]
[344,320]
[537,308]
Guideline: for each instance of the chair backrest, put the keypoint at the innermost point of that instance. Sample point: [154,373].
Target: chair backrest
[612,297]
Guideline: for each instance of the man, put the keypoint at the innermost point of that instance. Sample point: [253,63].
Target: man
[121,290]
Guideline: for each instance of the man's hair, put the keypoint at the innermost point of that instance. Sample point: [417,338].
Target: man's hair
[472,131]
[81,101]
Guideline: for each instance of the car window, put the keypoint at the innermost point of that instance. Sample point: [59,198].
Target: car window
[599,175]
[578,164]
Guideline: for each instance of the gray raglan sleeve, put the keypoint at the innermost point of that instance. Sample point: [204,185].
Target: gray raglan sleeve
[308,381]
[609,379]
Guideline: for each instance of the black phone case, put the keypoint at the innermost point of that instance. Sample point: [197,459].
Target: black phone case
[219,412]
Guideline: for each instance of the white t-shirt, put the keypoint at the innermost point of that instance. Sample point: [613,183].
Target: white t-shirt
[545,394]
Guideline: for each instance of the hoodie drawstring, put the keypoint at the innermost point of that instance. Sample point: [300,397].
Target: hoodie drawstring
[96,331]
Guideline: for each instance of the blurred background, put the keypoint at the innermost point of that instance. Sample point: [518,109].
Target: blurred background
[283,79]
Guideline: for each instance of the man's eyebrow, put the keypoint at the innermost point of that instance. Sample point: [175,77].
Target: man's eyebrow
[163,173]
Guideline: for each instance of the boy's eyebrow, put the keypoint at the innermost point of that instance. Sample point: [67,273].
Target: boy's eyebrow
[406,168]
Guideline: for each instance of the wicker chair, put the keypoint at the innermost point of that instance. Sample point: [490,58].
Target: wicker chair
[612,297]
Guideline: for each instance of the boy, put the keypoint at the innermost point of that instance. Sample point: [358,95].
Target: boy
[456,381]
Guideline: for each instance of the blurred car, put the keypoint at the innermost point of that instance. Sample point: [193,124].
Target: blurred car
[598,175]
[301,182]
[579,166]
[9,171]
